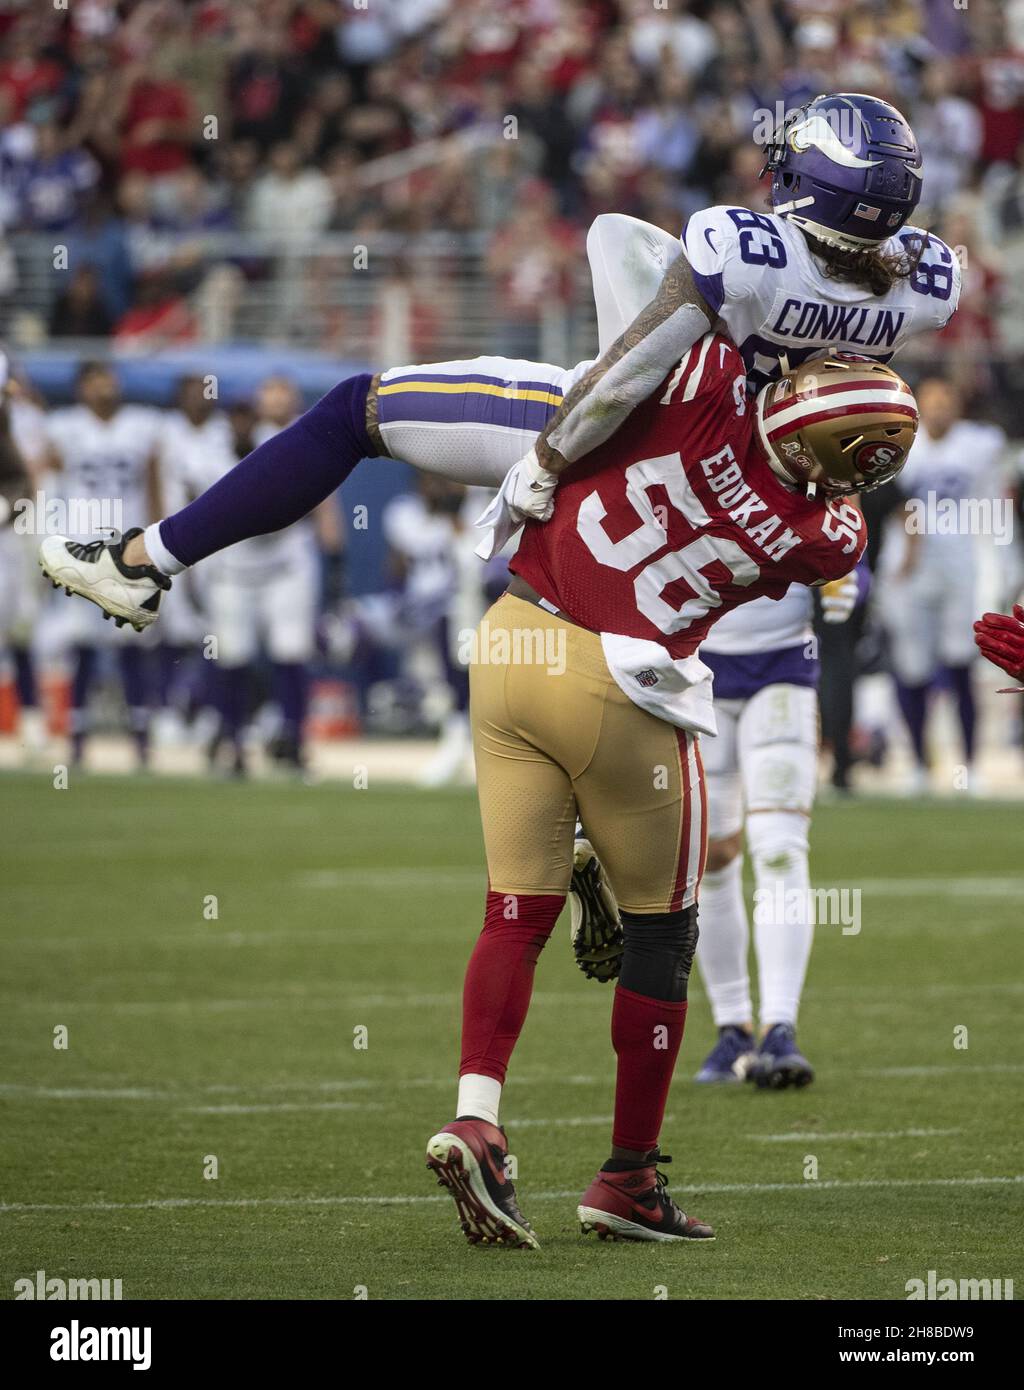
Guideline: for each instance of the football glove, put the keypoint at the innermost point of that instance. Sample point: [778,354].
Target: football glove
[526,494]
[1001,639]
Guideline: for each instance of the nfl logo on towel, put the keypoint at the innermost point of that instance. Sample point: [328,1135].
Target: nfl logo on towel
[647,677]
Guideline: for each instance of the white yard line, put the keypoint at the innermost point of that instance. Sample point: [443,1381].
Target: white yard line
[739,1189]
[809,1135]
[15,1091]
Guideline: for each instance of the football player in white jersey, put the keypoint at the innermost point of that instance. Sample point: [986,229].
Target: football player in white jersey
[930,563]
[195,431]
[107,455]
[835,265]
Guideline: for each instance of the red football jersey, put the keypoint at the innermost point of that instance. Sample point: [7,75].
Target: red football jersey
[679,518]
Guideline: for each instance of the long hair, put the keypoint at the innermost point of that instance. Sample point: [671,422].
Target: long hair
[877,271]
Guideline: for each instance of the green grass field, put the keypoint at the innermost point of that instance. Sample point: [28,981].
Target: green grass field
[339,910]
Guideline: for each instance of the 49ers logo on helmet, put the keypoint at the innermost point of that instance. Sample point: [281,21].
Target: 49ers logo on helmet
[877,456]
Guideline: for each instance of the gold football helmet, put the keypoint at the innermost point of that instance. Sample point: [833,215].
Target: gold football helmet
[840,422]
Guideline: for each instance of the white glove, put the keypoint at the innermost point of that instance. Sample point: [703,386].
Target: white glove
[525,494]
[839,598]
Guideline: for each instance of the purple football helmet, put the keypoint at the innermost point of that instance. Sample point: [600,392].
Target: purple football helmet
[847,169]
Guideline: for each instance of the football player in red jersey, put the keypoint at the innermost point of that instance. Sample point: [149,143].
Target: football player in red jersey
[588,696]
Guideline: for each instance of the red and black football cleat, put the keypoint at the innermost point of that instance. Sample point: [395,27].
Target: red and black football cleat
[633,1204]
[468,1157]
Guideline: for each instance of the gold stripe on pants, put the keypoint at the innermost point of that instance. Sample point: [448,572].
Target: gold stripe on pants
[553,734]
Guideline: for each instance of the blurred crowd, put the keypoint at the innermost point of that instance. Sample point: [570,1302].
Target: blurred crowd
[145,135]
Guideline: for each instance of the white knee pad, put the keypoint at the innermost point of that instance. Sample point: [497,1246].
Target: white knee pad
[778,749]
[778,844]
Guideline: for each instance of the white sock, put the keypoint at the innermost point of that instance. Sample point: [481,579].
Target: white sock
[723,943]
[158,552]
[479,1096]
[783,930]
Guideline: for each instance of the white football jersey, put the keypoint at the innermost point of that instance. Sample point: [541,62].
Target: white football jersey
[28,430]
[757,272]
[948,478]
[192,457]
[764,624]
[105,466]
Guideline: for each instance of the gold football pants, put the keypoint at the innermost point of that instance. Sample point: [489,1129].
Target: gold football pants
[554,735]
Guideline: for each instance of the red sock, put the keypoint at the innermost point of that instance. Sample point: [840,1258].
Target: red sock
[646,1034]
[499,979]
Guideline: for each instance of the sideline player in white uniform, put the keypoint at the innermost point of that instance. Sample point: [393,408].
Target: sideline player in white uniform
[930,567]
[23,425]
[761,775]
[107,456]
[263,593]
[193,434]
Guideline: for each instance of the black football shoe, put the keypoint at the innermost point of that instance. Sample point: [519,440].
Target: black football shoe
[468,1157]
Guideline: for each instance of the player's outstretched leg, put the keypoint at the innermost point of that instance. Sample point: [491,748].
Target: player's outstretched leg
[280,482]
[594,926]
[469,1158]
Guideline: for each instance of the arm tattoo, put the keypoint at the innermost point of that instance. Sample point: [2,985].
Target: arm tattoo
[677,288]
[372,427]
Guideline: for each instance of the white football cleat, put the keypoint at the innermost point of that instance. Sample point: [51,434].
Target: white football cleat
[96,571]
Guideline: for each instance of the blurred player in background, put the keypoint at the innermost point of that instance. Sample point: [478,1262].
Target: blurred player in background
[762,774]
[107,456]
[24,452]
[929,568]
[194,439]
[431,543]
[262,595]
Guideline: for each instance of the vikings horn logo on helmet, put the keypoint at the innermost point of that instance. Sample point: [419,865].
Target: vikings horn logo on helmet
[817,130]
